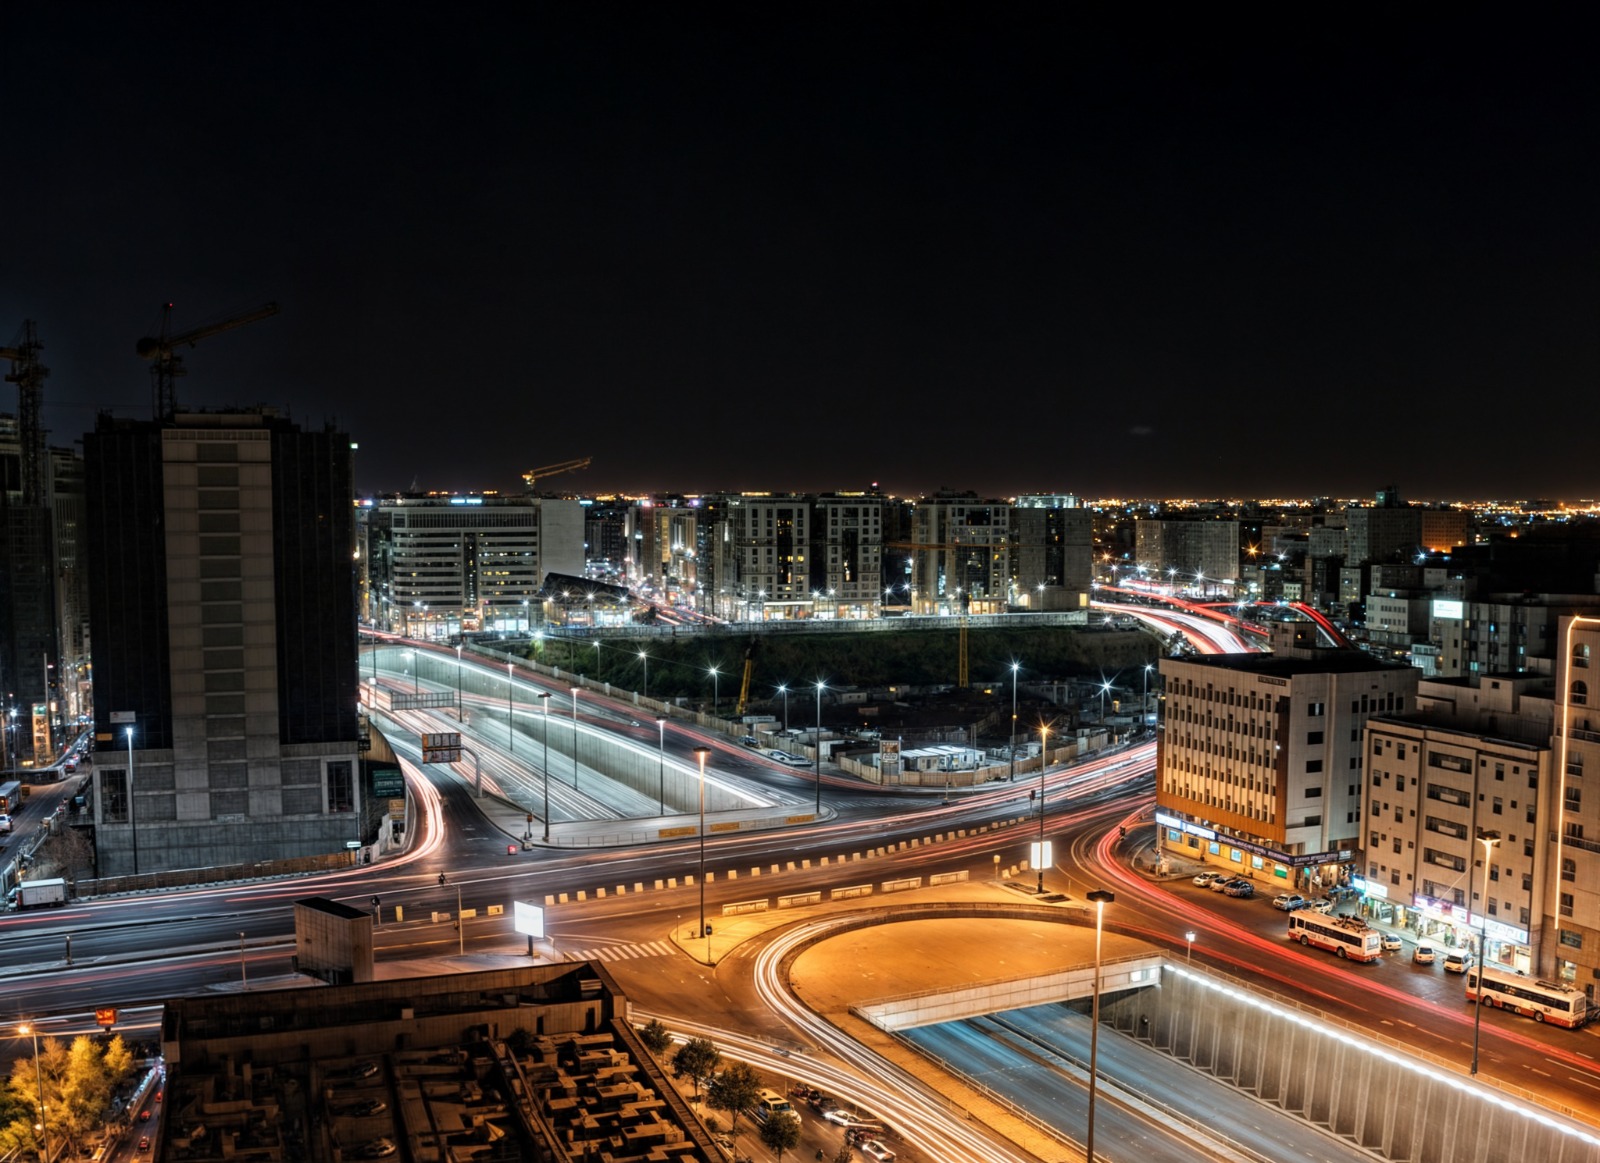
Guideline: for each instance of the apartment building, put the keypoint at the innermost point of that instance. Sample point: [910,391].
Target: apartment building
[439,564]
[1259,756]
[960,554]
[1505,633]
[772,541]
[1052,551]
[220,550]
[1203,549]
[848,554]
[1575,918]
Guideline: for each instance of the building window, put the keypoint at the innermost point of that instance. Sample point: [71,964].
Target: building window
[1313,793]
[1569,868]
[1579,695]
[1571,939]
[1313,766]
[114,795]
[341,787]
[1580,654]
[1313,738]
[1317,710]
[1574,799]
[1499,806]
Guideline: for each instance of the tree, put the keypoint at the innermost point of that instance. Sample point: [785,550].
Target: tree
[79,1081]
[845,1154]
[735,1090]
[781,1132]
[698,1058]
[655,1036]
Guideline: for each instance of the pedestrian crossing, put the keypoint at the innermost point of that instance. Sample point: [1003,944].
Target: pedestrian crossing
[623,952]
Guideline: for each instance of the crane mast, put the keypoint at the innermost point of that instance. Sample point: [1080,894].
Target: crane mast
[167,365]
[550,470]
[28,373]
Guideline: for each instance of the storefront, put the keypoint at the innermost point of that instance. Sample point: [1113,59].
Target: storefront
[1447,925]
[1313,874]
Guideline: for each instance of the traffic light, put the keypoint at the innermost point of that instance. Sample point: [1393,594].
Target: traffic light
[375,902]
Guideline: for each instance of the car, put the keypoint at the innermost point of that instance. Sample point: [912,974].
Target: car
[750,741]
[1240,888]
[1392,943]
[144,1115]
[1323,905]
[838,1115]
[144,1142]
[1204,879]
[367,1106]
[874,1149]
[1288,902]
[377,1149]
[1221,883]
[1455,961]
[1422,955]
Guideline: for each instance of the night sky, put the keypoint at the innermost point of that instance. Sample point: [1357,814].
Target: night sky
[816,247]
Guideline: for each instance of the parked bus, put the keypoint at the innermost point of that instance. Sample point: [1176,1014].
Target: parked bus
[10,797]
[1543,1001]
[770,1102]
[1349,937]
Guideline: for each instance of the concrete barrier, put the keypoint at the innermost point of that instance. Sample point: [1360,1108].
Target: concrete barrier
[796,900]
[855,890]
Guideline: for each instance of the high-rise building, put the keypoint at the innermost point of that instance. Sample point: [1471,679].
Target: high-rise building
[222,608]
[1052,548]
[1198,550]
[1259,766]
[30,652]
[1574,918]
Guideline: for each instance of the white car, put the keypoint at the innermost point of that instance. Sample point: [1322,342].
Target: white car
[1391,943]
[1289,901]
[874,1149]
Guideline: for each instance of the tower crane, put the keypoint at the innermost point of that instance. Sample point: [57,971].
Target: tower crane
[550,470]
[28,373]
[167,365]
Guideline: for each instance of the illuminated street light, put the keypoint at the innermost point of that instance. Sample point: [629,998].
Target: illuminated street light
[1144,699]
[702,754]
[645,659]
[133,823]
[1015,666]
[38,1075]
[1488,840]
[661,762]
[716,693]
[821,686]
[1189,956]
[1101,899]
[544,700]
[416,676]
[511,727]
[459,714]
[574,738]
[1044,761]
[784,691]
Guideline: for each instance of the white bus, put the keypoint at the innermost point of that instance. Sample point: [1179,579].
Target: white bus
[1349,937]
[1543,1001]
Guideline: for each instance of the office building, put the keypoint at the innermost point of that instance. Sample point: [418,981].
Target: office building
[221,553]
[1259,756]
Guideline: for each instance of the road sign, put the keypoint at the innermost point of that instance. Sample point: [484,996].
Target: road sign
[441,747]
[106,1016]
[123,717]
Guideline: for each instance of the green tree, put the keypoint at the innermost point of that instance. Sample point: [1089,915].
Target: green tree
[845,1154]
[735,1090]
[79,1080]
[781,1132]
[698,1058]
[655,1036]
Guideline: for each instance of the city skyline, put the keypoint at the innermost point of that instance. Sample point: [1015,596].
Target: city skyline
[719,252]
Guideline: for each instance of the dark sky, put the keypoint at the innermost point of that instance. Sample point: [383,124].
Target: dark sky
[815,247]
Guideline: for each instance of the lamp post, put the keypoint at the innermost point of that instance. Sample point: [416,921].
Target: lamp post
[1044,762]
[645,692]
[1188,957]
[511,724]
[416,672]
[783,690]
[575,738]
[243,979]
[1101,899]
[1015,666]
[716,693]
[1104,688]
[661,762]
[458,681]
[1488,840]
[133,823]
[820,687]
[544,701]
[1144,699]
[38,1077]
[702,754]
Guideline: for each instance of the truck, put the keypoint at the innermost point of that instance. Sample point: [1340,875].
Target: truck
[37,894]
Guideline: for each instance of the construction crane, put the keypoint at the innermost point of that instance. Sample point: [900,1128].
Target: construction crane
[28,373]
[167,365]
[744,683]
[963,679]
[550,470]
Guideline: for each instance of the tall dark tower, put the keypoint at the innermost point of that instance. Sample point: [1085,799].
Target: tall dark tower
[222,611]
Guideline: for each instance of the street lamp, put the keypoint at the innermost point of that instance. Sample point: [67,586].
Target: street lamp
[661,761]
[1188,957]
[416,672]
[38,1076]
[243,980]
[1044,761]
[1104,688]
[1101,899]
[716,693]
[1015,666]
[645,692]
[544,701]
[133,823]
[575,738]
[1488,840]
[820,687]
[1144,699]
[458,680]
[511,724]
[784,691]
[702,754]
